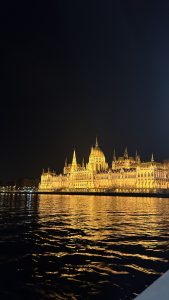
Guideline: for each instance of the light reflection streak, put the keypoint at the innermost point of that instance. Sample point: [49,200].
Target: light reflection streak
[105,236]
[141,269]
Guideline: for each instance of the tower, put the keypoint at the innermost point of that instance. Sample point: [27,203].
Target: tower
[114,155]
[74,162]
[137,157]
[125,153]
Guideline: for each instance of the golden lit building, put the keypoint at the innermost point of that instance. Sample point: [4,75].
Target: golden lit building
[127,174]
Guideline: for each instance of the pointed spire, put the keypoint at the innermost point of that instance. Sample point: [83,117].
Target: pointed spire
[74,162]
[48,169]
[114,155]
[83,164]
[136,153]
[43,171]
[152,158]
[137,157]
[96,145]
[66,162]
[125,153]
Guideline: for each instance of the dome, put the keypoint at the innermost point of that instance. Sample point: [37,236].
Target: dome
[97,152]
[97,160]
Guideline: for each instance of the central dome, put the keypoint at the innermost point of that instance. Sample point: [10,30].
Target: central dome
[97,161]
[97,152]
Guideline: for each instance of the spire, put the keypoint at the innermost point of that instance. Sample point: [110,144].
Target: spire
[136,153]
[96,145]
[74,162]
[66,162]
[152,158]
[83,163]
[114,155]
[137,157]
[43,171]
[125,153]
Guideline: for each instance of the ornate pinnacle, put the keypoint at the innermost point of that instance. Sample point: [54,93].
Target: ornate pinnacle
[152,157]
[96,145]
[114,155]
[74,162]
[125,153]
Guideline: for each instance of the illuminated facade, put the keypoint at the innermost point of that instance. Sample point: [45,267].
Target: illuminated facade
[127,174]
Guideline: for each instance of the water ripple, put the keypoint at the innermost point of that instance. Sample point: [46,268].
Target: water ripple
[80,247]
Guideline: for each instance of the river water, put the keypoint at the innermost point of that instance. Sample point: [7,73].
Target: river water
[81,247]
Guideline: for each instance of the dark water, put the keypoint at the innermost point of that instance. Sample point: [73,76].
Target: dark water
[81,247]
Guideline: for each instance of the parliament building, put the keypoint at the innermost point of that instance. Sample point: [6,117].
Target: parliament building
[126,174]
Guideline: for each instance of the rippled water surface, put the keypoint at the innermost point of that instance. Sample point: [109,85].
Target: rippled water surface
[81,247]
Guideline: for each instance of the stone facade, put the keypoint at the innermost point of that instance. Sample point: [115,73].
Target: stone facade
[127,174]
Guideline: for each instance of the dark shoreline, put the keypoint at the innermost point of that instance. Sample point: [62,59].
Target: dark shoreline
[125,194]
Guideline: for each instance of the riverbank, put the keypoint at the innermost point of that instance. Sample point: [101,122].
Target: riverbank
[123,194]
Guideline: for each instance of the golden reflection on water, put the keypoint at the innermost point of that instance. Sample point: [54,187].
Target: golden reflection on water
[102,236]
[85,245]
[100,215]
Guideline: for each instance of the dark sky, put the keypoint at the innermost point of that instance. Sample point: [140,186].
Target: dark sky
[71,70]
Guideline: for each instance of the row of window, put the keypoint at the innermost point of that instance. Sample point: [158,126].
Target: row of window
[145,174]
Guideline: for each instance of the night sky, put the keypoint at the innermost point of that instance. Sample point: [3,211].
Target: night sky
[71,70]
